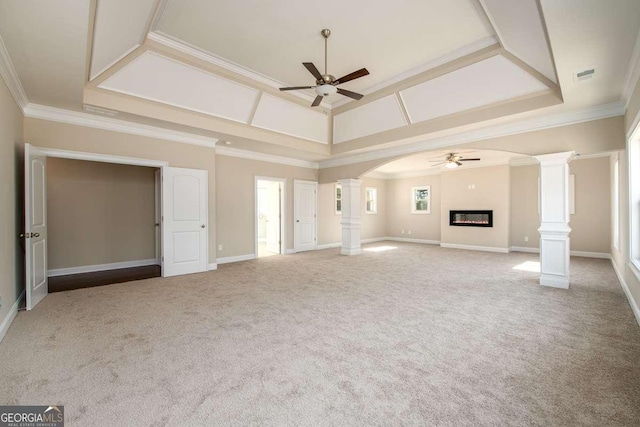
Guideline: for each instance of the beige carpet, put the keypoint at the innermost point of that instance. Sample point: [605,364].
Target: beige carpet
[418,335]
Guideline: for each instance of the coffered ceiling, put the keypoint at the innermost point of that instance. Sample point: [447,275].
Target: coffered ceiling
[437,67]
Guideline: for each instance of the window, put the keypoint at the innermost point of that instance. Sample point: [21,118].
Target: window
[338,199]
[421,200]
[634,200]
[371,200]
[616,205]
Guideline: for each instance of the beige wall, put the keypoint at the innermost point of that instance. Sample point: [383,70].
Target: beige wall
[492,192]
[235,203]
[525,220]
[374,225]
[590,225]
[99,213]
[11,202]
[399,203]
[329,228]
[48,134]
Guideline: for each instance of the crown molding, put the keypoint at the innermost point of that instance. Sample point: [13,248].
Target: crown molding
[527,125]
[253,155]
[188,49]
[10,77]
[445,59]
[633,73]
[105,123]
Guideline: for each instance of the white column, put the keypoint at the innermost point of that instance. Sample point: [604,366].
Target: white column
[351,221]
[554,227]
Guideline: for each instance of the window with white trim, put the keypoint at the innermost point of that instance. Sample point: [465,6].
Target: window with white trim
[371,200]
[421,200]
[338,199]
[634,198]
[616,205]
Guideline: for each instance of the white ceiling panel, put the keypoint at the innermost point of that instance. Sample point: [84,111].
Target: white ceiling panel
[119,28]
[520,27]
[292,119]
[483,83]
[374,117]
[273,38]
[157,78]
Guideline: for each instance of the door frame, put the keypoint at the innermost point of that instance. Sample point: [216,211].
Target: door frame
[104,158]
[283,212]
[315,242]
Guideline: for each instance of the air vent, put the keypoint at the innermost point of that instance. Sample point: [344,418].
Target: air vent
[584,74]
[101,111]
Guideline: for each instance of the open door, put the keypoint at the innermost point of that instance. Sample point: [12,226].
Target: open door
[304,212]
[273,218]
[184,221]
[35,234]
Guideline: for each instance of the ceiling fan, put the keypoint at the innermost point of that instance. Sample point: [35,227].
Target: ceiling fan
[326,83]
[453,160]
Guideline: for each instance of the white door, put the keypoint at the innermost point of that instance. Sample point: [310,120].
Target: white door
[158,215]
[35,235]
[304,214]
[184,221]
[273,217]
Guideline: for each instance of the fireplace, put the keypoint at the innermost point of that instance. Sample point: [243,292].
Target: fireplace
[471,218]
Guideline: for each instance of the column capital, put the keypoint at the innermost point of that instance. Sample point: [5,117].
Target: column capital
[555,158]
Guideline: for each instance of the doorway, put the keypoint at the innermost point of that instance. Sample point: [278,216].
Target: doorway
[269,216]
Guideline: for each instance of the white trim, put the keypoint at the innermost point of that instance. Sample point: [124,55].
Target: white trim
[522,126]
[157,17]
[237,258]
[100,267]
[253,155]
[114,62]
[10,77]
[105,158]
[53,114]
[410,240]
[474,248]
[11,315]
[328,246]
[212,266]
[363,241]
[627,291]
[289,251]
[186,48]
[584,254]
[451,56]
[633,73]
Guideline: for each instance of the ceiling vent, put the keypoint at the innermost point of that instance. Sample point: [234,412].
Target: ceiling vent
[101,111]
[584,74]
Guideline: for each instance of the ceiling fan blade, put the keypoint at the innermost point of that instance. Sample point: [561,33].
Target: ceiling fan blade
[355,75]
[350,94]
[438,164]
[313,70]
[468,160]
[297,87]
[458,163]
[317,101]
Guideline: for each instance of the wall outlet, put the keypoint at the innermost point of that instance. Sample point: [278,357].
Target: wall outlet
[219,247]
[409,232]
[526,239]
[402,231]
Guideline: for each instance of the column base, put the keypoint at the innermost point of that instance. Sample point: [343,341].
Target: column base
[350,251]
[554,281]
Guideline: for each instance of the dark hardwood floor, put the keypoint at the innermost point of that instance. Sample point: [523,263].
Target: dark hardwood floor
[100,278]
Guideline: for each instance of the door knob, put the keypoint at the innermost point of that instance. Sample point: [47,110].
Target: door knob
[297,220]
[35,234]
[202,226]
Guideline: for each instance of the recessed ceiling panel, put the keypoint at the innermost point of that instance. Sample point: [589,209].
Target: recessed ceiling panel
[120,27]
[292,119]
[521,29]
[273,38]
[157,78]
[374,117]
[483,83]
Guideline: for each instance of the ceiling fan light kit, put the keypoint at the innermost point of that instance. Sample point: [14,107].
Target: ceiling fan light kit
[326,83]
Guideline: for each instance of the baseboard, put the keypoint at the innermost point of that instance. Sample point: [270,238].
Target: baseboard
[237,258]
[627,291]
[288,251]
[100,267]
[13,312]
[410,240]
[329,246]
[601,255]
[475,248]
[212,266]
